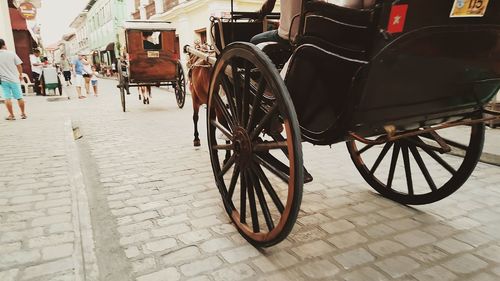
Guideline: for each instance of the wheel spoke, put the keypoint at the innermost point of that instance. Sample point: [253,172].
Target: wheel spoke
[228,165]
[262,200]
[406,160]
[222,107]
[274,165]
[269,188]
[223,147]
[244,98]
[264,121]
[221,128]
[256,102]
[252,203]
[232,184]
[365,148]
[386,148]
[230,95]
[237,89]
[243,197]
[265,146]
[423,168]
[438,159]
[394,161]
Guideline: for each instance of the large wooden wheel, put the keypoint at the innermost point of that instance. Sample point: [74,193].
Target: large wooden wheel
[250,114]
[180,87]
[417,170]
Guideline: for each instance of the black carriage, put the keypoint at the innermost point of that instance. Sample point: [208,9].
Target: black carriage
[391,81]
[146,64]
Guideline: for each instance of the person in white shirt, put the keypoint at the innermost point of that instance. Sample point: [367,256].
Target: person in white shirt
[36,69]
[289,9]
[10,76]
[289,18]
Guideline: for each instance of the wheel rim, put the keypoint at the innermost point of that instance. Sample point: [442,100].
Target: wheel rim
[400,170]
[261,182]
[180,89]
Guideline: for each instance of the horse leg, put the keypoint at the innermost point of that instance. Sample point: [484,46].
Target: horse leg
[196,108]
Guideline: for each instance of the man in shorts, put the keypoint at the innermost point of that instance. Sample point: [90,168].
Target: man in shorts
[11,76]
[78,71]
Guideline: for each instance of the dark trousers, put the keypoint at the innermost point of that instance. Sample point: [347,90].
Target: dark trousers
[67,75]
[36,80]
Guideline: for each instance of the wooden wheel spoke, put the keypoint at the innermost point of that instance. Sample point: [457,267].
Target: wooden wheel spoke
[243,198]
[256,102]
[394,161]
[406,160]
[230,95]
[365,148]
[228,165]
[245,97]
[423,168]
[232,184]
[438,159]
[223,146]
[273,165]
[267,118]
[269,188]
[221,128]
[262,200]
[448,141]
[252,203]
[265,146]
[225,113]
[386,148]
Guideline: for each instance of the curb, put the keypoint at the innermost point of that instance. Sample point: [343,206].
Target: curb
[84,254]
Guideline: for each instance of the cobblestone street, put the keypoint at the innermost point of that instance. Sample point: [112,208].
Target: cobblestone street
[132,199]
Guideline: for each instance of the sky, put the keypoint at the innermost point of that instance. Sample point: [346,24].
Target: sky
[55,16]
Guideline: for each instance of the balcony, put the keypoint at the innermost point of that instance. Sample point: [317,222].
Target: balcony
[169,4]
[150,10]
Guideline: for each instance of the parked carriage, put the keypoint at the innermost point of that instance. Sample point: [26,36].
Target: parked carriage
[392,81]
[151,63]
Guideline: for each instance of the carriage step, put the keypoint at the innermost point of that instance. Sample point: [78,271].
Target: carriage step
[278,168]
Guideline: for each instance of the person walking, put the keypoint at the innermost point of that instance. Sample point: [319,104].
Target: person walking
[65,67]
[78,71]
[94,81]
[36,69]
[87,73]
[11,75]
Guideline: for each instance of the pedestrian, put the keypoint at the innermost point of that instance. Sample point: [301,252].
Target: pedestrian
[94,81]
[36,69]
[78,71]
[87,73]
[65,67]
[11,75]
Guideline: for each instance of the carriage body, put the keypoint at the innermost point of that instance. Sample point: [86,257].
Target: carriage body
[147,63]
[393,77]
[156,64]
[365,77]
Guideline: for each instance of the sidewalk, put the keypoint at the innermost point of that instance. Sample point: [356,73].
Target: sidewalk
[43,215]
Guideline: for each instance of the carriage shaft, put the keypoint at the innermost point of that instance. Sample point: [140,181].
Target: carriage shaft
[205,56]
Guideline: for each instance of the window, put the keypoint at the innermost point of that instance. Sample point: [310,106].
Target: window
[151,40]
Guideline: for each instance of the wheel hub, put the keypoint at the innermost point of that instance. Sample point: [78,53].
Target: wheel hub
[242,147]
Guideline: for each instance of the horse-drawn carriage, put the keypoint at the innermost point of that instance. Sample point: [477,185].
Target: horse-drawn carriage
[393,81]
[151,59]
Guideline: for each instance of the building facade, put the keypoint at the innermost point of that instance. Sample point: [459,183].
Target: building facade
[97,30]
[190,18]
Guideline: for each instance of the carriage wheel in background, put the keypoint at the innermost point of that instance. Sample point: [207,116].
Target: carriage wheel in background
[401,171]
[121,85]
[180,86]
[261,182]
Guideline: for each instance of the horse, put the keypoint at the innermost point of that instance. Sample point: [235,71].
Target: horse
[199,74]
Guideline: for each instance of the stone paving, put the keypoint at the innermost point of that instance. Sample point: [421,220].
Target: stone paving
[157,215]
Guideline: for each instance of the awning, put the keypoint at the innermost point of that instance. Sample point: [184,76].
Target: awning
[16,20]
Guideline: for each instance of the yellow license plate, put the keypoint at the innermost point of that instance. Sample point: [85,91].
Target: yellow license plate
[469,8]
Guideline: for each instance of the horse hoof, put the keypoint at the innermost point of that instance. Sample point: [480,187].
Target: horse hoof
[197,143]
